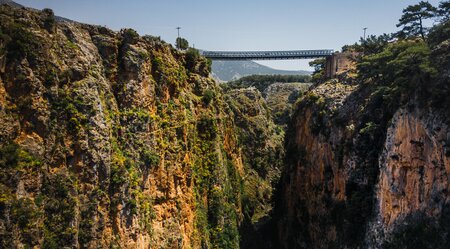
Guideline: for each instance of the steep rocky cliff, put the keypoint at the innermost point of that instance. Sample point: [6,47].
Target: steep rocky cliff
[113,140]
[261,110]
[367,162]
[109,139]
[262,141]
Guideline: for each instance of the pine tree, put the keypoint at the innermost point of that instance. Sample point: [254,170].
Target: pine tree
[413,17]
[182,43]
[444,10]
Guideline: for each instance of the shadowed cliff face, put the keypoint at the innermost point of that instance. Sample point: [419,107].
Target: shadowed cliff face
[107,140]
[367,161]
[263,153]
[349,182]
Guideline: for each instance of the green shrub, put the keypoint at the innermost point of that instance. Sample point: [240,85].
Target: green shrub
[150,158]
[9,156]
[49,20]
[132,206]
[4,39]
[368,129]
[60,212]
[24,213]
[207,128]
[208,96]
[181,43]
[118,170]
[319,69]
[71,107]
[130,36]
[192,57]
[51,78]
[26,216]
[12,156]
[23,43]
[403,64]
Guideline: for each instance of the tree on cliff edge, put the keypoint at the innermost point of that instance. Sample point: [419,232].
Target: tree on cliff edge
[443,11]
[413,17]
[182,43]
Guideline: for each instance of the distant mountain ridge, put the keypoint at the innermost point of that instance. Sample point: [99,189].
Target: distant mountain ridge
[17,5]
[232,70]
[11,3]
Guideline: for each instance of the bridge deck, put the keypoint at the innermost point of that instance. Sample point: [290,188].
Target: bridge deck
[267,55]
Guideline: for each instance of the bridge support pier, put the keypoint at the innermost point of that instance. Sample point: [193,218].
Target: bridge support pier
[339,63]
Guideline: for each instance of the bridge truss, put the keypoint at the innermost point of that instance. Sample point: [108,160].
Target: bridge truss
[267,55]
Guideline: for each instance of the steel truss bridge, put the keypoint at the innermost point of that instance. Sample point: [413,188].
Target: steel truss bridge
[267,55]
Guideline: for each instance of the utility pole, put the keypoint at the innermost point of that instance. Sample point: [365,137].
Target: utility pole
[364,33]
[178,39]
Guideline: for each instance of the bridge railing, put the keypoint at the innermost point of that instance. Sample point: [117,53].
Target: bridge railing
[267,55]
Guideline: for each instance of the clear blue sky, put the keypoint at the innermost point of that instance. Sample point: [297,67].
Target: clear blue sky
[241,24]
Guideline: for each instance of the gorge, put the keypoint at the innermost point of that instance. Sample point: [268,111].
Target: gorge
[115,140]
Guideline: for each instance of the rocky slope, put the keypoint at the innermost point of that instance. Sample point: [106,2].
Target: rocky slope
[367,162]
[111,140]
[281,97]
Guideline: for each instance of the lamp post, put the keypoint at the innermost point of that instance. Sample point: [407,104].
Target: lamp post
[178,39]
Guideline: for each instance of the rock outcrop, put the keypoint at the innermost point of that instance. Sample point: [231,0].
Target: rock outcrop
[108,139]
[367,160]
[351,182]
[281,97]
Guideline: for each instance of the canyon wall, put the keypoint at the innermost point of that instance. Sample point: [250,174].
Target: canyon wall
[109,139]
[114,140]
[367,160]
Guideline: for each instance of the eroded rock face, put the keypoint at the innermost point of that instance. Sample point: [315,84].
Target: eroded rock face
[313,186]
[414,172]
[106,141]
[361,174]
[414,166]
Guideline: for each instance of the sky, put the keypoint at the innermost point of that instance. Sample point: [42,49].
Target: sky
[236,25]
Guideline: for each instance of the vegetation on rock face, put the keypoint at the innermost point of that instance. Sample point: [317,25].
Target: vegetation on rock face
[49,20]
[319,69]
[196,63]
[15,163]
[121,141]
[261,82]
[20,42]
[347,124]
[182,43]
[132,140]
[261,105]
[114,140]
[262,146]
